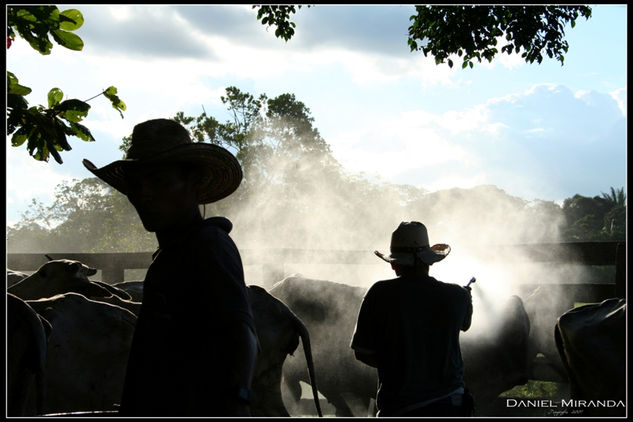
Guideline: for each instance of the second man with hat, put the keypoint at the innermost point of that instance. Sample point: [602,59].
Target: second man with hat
[408,328]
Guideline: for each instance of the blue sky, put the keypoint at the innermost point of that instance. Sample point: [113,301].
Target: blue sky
[537,131]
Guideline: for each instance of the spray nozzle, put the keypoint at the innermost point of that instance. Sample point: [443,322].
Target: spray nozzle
[472,280]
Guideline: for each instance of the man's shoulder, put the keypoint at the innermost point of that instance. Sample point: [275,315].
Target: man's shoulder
[453,290]
[447,285]
[214,229]
[382,285]
[212,237]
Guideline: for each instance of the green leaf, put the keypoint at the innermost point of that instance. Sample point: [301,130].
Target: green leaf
[17,102]
[20,136]
[68,39]
[59,142]
[55,154]
[82,132]
[117,103]
[76,20]
[41,44]
[73,110]
[55,95]
[13,87]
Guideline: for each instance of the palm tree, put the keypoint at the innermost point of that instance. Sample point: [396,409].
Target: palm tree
[616,198]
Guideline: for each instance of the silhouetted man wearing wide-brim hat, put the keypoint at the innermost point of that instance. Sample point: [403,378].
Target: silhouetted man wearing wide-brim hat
[194,347]
[408,328]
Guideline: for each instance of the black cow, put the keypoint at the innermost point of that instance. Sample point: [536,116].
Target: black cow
[278,329]
[133,288]
[591,340]
[494,362]
[58,277]
[64,276]
[278,333]
[14,277]
[87,352]
[27,342]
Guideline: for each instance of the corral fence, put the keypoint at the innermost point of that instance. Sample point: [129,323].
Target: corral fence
[113,265]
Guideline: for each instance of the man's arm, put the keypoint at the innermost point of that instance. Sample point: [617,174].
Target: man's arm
[469,310]
[220,258]
[364,337]
[244,348]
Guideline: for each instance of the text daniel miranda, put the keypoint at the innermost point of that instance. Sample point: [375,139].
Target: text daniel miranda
[546,403]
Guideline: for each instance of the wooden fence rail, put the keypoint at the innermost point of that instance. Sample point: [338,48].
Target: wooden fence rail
[113,265]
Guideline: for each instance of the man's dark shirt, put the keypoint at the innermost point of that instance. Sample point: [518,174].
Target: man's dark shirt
[193,295]
[412,325]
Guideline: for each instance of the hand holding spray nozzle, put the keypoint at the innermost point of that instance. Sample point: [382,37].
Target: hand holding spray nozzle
[472,280]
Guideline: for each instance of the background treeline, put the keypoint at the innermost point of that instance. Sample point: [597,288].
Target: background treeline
[296,195]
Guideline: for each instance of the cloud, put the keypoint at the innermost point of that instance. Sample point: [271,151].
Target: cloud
[542,143]
[619,95]
[181,31]
[141,31]
[365,29]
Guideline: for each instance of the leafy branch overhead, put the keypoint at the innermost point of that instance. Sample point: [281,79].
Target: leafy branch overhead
[279,16]
[474,31]
[45,129]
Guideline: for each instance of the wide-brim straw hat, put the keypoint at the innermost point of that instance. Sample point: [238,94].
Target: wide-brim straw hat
[167,141]
[410,246]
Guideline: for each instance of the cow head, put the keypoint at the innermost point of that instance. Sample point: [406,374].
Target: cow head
[65,275]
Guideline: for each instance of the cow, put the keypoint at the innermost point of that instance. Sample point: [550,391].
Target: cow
[493,363]
[544,306]
[87,352]
[277,327]
[58,277]
[278,332]
[329,310]
[591,341]
[497,356]
[14,277]
[63,276]
[133,288]
[27,341]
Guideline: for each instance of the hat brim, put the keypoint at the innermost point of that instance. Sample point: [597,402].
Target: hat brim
[226,172]
[428,255]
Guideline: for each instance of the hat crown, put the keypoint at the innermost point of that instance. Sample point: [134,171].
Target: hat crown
[410,235]
[156,136]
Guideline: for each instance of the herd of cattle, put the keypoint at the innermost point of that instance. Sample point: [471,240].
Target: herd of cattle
[68,339]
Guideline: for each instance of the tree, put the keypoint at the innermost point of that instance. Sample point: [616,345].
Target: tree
[471,31]
[45,129]
[274,140]
[262,128]
[601,218]
[474,31]
[278,16]
[87,215]
[617,197]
